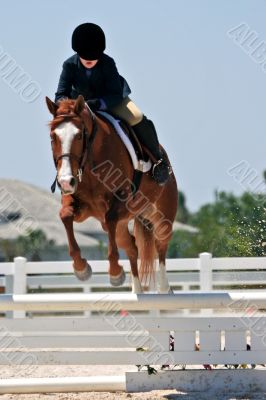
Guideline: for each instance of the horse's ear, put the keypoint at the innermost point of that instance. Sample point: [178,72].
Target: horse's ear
[52,107]
[79,105]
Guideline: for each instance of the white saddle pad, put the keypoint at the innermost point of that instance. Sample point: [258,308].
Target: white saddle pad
[143,166]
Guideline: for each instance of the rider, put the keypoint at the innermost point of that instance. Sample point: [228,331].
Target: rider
[93,74]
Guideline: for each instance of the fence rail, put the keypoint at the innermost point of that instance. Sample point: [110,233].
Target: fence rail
[139,302]
[204,273]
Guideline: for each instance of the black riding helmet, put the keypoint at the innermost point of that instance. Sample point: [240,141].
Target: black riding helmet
[88,40]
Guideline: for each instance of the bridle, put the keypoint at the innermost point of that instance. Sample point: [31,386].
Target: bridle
[87,141]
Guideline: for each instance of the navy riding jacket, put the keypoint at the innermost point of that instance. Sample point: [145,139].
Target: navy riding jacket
[100,82]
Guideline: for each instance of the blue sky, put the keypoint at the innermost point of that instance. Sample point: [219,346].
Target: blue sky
[205,93]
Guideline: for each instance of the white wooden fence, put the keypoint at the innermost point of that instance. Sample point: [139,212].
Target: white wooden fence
[202,273]
[96,340]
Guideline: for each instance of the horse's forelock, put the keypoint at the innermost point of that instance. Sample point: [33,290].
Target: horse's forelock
[58,120]
[65,107]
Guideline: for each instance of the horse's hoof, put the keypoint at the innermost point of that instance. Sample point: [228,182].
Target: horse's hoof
[84,274]
[119,279]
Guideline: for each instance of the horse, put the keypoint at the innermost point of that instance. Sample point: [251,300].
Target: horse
[95,175]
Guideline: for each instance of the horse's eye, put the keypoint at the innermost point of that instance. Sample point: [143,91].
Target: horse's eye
[53,137]
[79,136]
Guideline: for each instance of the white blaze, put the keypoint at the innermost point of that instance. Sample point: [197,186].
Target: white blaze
[66,132]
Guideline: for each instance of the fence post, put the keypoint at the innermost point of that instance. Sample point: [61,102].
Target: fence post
[205,260]
[19,282]
[9,288]
[205,272]
[87,289]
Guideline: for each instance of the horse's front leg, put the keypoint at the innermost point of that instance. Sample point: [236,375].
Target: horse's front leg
[116,271]
[81,268]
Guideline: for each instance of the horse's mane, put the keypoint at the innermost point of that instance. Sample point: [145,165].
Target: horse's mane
[65,107]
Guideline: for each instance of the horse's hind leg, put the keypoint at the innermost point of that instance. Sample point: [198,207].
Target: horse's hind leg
[81,268]
[162,237]
[163,227]
[163,284]
[126,241]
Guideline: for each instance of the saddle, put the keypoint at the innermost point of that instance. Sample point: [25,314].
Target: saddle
[139,156]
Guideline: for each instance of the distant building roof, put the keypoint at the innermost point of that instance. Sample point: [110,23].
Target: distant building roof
[178,226]
[24,205]
[92,226]
[20,200]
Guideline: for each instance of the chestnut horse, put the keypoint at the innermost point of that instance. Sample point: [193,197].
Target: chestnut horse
[94,173]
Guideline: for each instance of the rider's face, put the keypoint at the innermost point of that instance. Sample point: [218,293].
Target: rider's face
[88,63]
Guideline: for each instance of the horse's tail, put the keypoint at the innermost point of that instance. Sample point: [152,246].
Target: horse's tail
[145,241]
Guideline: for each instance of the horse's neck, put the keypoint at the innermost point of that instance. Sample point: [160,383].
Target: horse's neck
[104,150]
[103,135]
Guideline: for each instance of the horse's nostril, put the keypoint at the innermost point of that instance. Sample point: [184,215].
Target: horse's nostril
[72,182]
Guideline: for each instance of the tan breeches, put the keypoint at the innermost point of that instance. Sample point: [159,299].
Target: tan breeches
[128,111]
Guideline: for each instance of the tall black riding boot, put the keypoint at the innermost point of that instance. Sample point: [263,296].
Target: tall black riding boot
[147,136]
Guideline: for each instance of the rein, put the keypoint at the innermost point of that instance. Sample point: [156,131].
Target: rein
[86,150]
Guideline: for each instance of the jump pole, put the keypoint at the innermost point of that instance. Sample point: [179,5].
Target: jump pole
[116,302]
[65,384]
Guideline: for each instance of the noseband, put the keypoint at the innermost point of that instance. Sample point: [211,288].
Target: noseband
[87,141]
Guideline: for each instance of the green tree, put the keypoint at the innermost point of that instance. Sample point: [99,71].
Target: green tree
[30,246]
[264,175]
[182,212]
[230,227]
